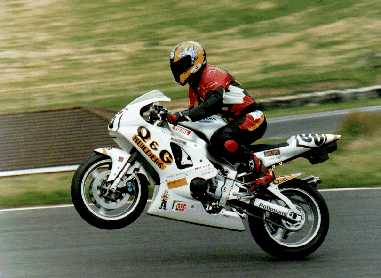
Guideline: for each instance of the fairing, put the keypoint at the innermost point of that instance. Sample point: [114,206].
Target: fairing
[172,197]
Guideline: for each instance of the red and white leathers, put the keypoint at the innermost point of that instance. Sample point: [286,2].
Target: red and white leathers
[215,91]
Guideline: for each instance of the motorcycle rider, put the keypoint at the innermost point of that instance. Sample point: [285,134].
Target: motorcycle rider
[214,91]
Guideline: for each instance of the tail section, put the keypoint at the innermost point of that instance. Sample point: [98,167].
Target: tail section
[314,147]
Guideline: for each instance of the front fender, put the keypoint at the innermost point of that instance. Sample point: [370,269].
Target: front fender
[119,159]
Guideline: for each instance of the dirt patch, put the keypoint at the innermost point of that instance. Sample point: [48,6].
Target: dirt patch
[359,144]
[267,5]
[338,27]
[299,47]
[192,4]
[34,4]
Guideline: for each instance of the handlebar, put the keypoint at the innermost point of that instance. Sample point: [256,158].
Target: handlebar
[158,113]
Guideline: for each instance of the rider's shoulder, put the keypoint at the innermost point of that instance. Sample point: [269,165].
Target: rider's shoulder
[214,77]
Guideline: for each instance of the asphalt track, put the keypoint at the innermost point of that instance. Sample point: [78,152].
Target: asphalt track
[55,242]
[322,122]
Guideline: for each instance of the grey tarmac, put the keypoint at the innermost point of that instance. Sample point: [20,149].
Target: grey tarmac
[57,243]
[321,122]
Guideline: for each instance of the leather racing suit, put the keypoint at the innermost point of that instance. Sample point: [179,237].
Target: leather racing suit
[215,91]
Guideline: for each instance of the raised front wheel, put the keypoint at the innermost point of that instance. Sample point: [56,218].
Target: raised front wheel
[98,206]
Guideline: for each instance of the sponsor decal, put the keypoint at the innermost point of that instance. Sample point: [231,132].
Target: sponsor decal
[203,167]
[283,179]
[178,141]
[177,183]
[164,200]
[271,209]
[155,159]
[182,130]
[179,206]
[272,152]
[211,118]
[143,140]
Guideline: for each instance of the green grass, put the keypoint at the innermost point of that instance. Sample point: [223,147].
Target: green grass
[355,164]
[357,161]
[37,189]
[103,53]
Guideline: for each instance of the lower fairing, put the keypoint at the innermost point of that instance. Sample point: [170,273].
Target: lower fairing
[166,203]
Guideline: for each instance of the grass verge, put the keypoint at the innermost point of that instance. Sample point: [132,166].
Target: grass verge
[104,53]
[357,161]
[37,189]
[355,164]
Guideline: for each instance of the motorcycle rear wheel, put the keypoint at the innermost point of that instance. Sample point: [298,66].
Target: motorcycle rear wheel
[289,240]
[89,198]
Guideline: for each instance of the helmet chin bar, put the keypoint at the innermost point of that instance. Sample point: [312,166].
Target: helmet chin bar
[185,79]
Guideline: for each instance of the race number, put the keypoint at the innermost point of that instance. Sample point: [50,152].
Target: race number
[311,140]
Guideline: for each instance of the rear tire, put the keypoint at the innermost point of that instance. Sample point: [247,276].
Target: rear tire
[88,185]
[304,239]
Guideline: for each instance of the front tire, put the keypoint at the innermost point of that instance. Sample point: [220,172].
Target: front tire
[288,240]
[88,192]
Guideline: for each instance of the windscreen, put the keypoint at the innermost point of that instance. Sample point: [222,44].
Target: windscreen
[150,95]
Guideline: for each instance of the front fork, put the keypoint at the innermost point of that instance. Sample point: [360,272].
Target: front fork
[121,162]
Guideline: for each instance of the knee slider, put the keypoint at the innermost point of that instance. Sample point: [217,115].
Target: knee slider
[231,146]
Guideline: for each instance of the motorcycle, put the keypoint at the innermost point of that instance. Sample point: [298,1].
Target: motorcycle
[288,219]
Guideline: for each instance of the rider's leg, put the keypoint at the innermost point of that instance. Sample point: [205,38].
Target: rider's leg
[230,141]
[253,127]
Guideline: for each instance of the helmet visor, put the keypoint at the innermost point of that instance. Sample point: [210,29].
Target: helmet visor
[180,66]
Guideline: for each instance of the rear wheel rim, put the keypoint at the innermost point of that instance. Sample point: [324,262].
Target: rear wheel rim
[296,235]
[93,187]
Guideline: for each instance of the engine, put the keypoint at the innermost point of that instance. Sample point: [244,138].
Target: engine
[202,189]
[199,189]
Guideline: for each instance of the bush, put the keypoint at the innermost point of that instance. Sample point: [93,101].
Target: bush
[361,124]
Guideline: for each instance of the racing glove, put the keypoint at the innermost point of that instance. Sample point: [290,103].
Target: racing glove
[177,117]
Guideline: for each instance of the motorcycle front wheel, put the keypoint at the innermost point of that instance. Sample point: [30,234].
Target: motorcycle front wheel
[96,205]
[286,240]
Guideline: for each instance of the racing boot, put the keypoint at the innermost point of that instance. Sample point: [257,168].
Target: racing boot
[264,175]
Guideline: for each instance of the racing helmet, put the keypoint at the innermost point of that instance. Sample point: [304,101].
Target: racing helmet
[185,59]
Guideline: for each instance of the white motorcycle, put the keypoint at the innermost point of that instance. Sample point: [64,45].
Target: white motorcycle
[288,219]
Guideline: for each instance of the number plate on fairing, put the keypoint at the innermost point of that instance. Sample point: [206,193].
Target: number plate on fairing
[311,140]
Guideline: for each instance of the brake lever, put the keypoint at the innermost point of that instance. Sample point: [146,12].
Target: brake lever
[163,113]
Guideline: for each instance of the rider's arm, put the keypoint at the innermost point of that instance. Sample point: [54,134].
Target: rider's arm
[212,105]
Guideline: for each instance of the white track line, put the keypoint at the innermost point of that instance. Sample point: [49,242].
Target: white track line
[324,114]
[70,205]
[54,169]
[35,208]
[349,189]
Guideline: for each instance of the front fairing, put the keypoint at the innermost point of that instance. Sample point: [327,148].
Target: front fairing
[148,98]
[129,128]
[134,108]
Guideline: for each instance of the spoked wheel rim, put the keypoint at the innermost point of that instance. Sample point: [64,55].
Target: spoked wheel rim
[300,233]
[106,206]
